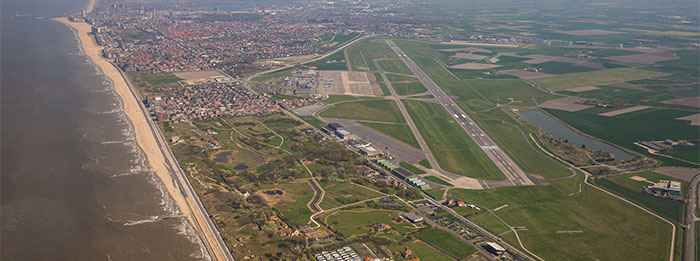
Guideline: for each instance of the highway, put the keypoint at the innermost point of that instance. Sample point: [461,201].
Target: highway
[690,254]
[202,223]
[503,162]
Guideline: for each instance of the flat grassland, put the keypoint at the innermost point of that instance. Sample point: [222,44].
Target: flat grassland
[511,140]
[571,80]
[395,66]
[411,168]
[446,242]
[454,150]
[410,88]
[374,110]
[295,210]
[362,53]
[422,251]
[338,194]
[502,91]
[611,229]
[397,131]
[357,222]
[437,180]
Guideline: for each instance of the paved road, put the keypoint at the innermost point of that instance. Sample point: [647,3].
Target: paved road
[690,220]
[203,225]
[246,83]
[505,164]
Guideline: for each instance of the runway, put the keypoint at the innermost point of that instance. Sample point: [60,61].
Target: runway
[515,175]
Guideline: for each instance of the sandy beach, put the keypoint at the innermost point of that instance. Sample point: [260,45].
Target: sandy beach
[144,137]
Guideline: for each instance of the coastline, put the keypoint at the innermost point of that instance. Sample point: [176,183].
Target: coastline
[142,133]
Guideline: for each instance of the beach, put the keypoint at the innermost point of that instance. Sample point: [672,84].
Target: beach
[142,132]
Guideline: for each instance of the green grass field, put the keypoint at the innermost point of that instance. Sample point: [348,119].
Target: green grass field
[502,91]
[158,78]
[454,150]
[489,222]
[425,163]
[421,250]
[632,190]
[511,140]
[561,68]
[296,211]
[375,110]
[624,130]
[362,53]
[447,242]
[686,152]
[357,222]
[611,229]
[437,180]
[400,132]
[313,121]
[409,88]
[411,168]
[338,194]
[395,66]
[335,61]
[400,78]
[572,80]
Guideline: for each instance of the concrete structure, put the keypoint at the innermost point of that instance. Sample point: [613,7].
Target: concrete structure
[412,217]
[665,189]
[494,248]
[371,152]
[342,254]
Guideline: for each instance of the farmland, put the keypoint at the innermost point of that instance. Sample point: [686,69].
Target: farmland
[571,80]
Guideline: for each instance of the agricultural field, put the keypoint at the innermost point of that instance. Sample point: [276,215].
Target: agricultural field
[575,218]
[374,110]
[447,242]
[624,130]
[400,132]
[607,76]
[454,150]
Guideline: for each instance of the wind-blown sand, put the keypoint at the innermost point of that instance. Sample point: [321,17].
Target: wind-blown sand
[142,132]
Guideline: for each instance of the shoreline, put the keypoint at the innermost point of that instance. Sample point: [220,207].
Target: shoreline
[142,133]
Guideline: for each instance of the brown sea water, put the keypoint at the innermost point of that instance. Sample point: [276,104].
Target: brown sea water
[73,185]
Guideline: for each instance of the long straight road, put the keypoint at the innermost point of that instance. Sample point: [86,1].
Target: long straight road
[202,223]
[690,235]
[505,164]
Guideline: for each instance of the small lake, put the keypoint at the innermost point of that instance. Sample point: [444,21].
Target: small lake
[559,130]
[222,157]
[240,167]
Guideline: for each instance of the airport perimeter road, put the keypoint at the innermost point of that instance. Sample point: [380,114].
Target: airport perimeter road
[505,164]
[690,219]
[202,223]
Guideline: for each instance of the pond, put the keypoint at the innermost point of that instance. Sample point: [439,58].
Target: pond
[559,130]
[222,157]
[240,167]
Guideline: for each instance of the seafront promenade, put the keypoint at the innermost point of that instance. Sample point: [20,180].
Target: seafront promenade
[160,159]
